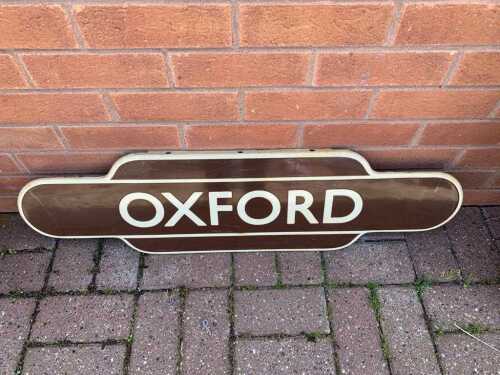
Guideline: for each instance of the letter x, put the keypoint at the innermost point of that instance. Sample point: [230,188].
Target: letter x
[183,209]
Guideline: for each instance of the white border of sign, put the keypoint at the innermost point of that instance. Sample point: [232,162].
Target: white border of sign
[252,154]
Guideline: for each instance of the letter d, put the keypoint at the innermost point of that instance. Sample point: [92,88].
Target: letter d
[328,208]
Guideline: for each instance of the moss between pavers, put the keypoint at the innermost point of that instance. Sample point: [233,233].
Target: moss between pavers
[421,285]
[376,306]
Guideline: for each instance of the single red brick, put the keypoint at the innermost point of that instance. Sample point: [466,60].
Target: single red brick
[92,70]
[35,26]
[155,26]
[435,104]
[8,204]
[36,138]
[481,197]
[358,134]
[68,162]
[126,137]
[409,158]
[472,179]
[51,108]
[241,136]
[10,76]
[13,184]
[176,106]
[234,70]
[306,105]
[7,165]
[481,158]
[496,182]
[478,68]
[462,134]
[435,23]
[314,24]
[400,68]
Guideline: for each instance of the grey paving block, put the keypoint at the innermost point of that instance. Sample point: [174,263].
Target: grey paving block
[156,334]
[284,357]
[73,265]
[300,268]
[491,212]
[379,262]
[205,348]
[432,255]
[477,304]
[461,354]
[23,272]
[198,270]
[403,324]
[15,316]
[475,250]
[78,360]
[118,267]
[492,215]
[255,268]
[83,318]
[15,234]
[356,332]
[494,225]
[288,311]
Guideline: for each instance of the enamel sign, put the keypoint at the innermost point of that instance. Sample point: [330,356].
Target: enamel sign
[183,202]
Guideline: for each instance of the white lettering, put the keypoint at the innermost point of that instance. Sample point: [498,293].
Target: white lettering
[303,208]
[129,198]
[271,198]
[328,208]
[215,207]
[183,209]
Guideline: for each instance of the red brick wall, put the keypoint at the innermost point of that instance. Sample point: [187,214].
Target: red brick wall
[407,84]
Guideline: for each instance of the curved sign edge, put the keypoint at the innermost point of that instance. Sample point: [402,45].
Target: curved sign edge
[246,154]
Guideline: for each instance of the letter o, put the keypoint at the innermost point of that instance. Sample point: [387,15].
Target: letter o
[127,199]
[271,198]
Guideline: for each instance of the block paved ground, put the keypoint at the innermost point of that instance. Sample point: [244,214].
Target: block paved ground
[386,305]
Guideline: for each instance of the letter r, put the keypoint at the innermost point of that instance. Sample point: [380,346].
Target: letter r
[303,207]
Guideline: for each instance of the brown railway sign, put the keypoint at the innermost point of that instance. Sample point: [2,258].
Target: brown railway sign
[240,201]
